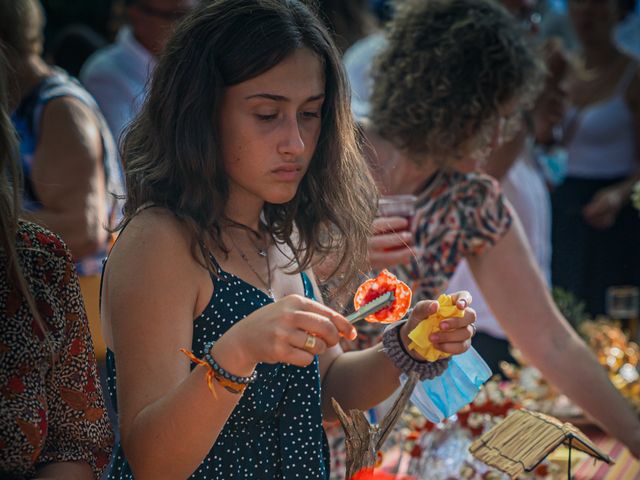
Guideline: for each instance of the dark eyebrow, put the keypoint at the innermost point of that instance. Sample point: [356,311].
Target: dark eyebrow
[281,98]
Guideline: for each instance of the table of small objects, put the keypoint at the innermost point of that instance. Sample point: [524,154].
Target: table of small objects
[444,456]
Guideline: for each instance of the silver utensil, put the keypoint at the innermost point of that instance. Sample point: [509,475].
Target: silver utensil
[373,306]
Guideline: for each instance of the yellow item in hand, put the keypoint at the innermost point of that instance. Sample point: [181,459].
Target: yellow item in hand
[420,335]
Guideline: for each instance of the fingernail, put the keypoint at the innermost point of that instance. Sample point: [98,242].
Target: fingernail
[444,326]
[354,334]
[462,304]
[434,337]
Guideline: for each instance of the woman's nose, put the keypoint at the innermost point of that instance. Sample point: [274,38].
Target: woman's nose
[291,143]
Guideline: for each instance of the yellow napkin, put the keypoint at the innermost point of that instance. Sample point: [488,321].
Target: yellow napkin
[420,335]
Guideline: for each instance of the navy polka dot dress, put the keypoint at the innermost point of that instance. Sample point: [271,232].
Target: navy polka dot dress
[275,431]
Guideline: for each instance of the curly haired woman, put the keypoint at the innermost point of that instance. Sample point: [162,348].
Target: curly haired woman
[449,86]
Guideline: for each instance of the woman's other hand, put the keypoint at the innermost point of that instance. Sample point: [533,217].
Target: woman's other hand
[601,212]
[392,242]
[456,332]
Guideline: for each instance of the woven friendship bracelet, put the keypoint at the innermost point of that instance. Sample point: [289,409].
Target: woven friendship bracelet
[401,358]
[233,383]
[210,373]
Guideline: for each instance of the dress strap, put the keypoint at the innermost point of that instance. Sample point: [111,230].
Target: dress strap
[308,286]
[213,260]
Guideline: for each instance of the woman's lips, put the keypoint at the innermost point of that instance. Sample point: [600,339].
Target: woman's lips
[288,173]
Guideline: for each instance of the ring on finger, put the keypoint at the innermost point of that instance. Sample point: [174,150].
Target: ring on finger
[309,343]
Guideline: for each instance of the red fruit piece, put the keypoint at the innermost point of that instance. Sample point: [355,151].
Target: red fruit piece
[383,283]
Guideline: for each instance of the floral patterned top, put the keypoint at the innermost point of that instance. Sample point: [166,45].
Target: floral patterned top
[458,215]
[51,405]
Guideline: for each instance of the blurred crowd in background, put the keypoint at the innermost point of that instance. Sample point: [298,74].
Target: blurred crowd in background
[568,167]
[112,46]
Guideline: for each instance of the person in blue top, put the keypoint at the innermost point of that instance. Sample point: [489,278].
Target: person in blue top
[242,171]
[72,175]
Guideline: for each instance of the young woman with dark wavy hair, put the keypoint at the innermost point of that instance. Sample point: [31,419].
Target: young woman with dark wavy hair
[242,168]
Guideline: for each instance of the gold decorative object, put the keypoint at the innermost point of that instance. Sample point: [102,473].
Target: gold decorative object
[618,355]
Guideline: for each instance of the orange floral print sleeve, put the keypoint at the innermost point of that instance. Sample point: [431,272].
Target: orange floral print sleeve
[51,405]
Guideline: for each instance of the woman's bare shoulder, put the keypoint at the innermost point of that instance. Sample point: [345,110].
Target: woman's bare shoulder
[152,268]
[156,227]
[153,243]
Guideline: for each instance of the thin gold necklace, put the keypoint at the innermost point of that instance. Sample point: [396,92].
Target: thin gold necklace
[263,253]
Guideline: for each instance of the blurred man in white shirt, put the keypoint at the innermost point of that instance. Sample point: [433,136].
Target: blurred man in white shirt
[117,75]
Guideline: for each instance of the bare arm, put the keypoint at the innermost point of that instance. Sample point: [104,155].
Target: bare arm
[65,471]
[149,303]
[68,177]
[514,289]
[113,95]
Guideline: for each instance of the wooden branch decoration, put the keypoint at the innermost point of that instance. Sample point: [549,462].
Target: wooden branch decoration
[363,440]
